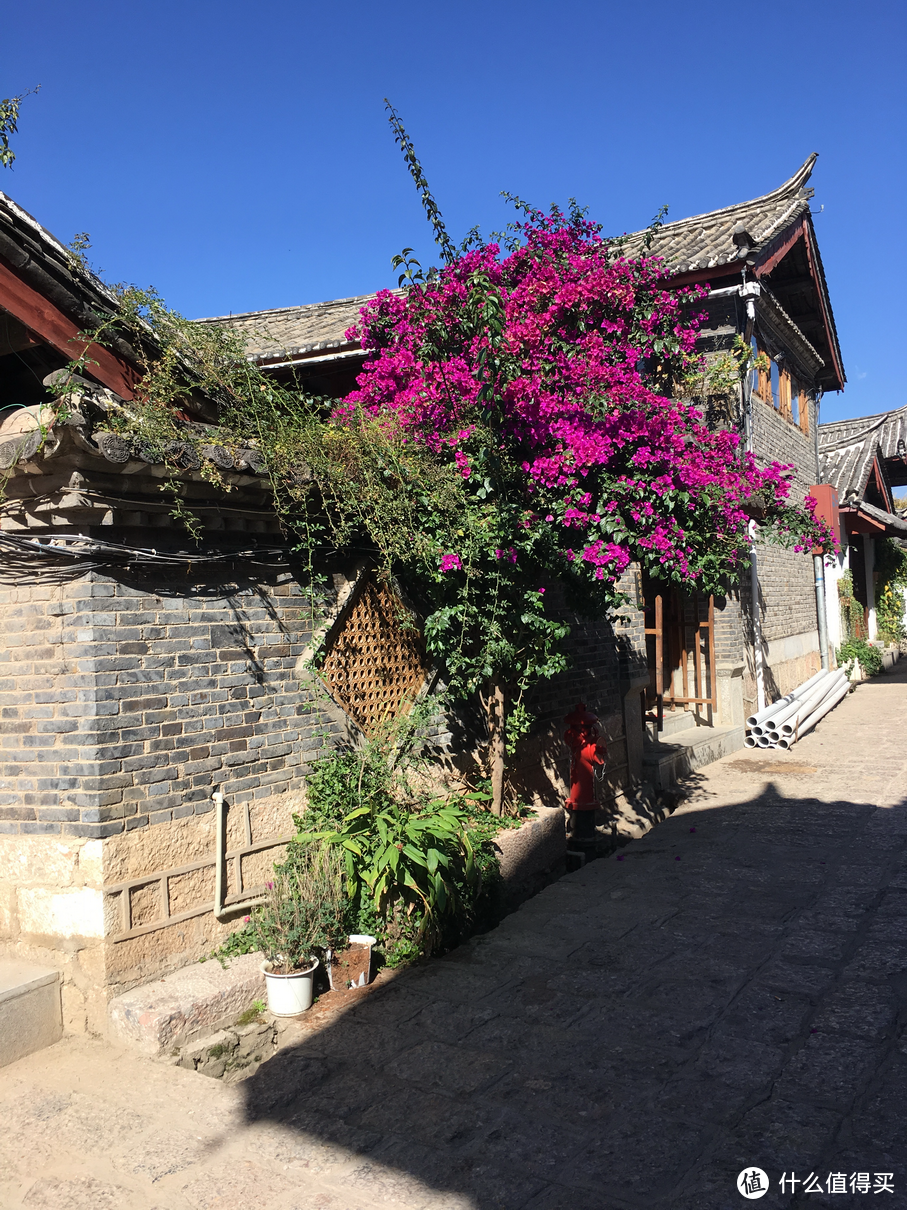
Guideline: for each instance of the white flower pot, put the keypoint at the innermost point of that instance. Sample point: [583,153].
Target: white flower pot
[365,940]
[289,995]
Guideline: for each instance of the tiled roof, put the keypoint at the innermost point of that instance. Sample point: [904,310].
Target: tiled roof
[722,237]
[891,520]
[701,243]
[847,448]
[291,332]
[57,273]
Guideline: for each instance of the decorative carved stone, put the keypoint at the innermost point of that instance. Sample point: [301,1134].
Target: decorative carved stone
[17,448]
[219,455]
[114,447]
[251,460]
[184,453]
[148,454]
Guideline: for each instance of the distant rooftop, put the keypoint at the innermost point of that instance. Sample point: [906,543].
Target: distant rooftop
[722,237]
[288,333]
[717,243]
[847,449]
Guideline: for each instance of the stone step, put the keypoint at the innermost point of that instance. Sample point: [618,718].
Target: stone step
[162,1017]
[677,720]
[671,723]
[31,1014]
[665,763]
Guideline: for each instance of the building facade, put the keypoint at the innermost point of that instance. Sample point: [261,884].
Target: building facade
[159,701]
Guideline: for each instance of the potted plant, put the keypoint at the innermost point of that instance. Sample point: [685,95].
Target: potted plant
[300,921]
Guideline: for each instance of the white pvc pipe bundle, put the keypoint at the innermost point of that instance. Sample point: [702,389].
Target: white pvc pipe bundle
[782,724]
[755,721]
[837,694]
[808,704]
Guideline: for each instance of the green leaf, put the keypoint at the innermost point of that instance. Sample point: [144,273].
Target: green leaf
[360,811]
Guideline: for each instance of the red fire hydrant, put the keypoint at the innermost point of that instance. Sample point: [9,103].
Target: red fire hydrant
[583,737]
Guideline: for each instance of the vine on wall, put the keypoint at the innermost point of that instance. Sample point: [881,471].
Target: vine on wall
[851,609]
[504,437]
[891,568]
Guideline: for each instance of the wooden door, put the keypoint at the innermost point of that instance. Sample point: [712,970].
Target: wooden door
[680,648]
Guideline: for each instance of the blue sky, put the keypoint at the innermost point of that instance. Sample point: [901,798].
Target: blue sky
[237,156]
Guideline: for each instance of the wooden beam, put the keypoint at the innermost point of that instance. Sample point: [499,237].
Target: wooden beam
[880,484]
[696,276]
[14,336]
[54,328]
[858,522]
[779,248]
[825,308]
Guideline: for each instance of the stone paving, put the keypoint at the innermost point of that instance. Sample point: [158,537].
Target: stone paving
[728,993]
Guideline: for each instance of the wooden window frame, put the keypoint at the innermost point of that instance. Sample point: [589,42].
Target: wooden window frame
[784,395]
[804,412]
[763,390]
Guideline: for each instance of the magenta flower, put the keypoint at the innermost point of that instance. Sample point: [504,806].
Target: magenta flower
[556,396]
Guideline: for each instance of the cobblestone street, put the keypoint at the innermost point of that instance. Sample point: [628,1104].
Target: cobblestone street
[729,992]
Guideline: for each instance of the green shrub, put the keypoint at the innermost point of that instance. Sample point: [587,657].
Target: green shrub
[417,871]
[304,913]
[891,565]
[420,871]
[851,609]
[869,657]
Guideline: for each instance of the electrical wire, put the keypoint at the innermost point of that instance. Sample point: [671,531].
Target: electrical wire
[78,546]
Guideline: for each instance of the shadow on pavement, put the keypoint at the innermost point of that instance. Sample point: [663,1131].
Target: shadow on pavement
[728,991]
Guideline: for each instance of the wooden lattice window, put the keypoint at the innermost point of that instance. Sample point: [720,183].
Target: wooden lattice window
[374,663]
[778,387]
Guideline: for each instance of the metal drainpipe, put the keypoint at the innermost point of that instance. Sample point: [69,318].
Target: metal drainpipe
[220,855]
[819,574]
[750,291]
[821,609]
[819,564]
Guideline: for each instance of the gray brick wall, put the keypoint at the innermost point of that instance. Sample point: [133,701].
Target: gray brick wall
[785,577]
[124,705]
[604,655]
[787,600]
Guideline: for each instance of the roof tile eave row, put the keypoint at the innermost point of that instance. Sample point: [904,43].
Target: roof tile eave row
[700,243]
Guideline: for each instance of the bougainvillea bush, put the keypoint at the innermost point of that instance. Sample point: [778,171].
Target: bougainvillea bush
[530,374]
[512,435]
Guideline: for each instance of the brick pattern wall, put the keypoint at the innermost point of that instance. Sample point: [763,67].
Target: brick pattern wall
[731,628]
[604,655]
[787,596]
[787,599]
[124,705]
[785,577]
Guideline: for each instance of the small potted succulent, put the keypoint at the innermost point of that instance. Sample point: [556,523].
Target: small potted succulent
[299,923]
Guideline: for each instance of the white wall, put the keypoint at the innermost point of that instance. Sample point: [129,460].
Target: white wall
[835,567]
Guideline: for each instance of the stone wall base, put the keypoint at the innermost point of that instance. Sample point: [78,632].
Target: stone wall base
[108,916]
